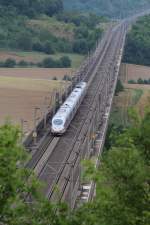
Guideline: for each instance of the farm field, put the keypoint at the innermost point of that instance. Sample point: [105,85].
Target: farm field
[38,56]
[22,90]
[134,72]
[37,73]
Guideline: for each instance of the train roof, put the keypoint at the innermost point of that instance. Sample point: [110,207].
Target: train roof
[70,102]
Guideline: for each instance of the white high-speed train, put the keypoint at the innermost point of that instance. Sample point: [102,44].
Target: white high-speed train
[67,111]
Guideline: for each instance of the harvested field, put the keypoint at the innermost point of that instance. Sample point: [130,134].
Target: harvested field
[19,104]
[24,90]
[134,72]
[35,73]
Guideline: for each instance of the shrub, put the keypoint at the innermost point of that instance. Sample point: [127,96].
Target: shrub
[140,81]
[131,82]
[10,63]
[40,64]
[1,64]
[23,63]
[49,63]
[145,82]
[65,61]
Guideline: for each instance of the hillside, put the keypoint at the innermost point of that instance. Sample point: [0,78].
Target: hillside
[115,8]
[45,28]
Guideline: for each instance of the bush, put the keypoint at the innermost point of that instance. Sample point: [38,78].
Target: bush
[140,81]
[23,63]
[10,63]
[2,64]
[49,63]
[145,82]
[65,61]
[40,64]
[131,82]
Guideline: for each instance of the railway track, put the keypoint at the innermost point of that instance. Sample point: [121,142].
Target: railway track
[60,161]
[48,138]
[56,157]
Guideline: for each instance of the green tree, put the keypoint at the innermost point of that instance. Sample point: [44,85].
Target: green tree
[123,187]
[137,49]
[49,63]
[65,61]
[16,189]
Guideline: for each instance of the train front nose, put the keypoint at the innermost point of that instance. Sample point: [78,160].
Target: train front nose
[58,129]
[58,126]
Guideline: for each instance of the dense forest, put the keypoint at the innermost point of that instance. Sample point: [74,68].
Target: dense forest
[32,8]
[123,182]
[115,8]
[137,49]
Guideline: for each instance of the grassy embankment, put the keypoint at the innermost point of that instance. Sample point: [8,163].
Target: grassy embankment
[133,96]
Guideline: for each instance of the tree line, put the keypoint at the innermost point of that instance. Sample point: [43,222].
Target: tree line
[139,81]
[48,62]
[33,8]
[137,48]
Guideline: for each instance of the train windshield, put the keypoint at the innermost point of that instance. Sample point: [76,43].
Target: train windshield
[58,122]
